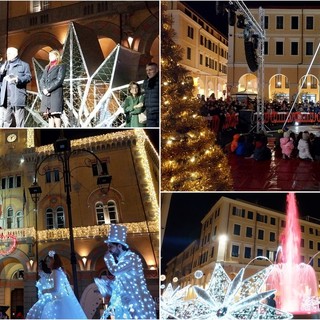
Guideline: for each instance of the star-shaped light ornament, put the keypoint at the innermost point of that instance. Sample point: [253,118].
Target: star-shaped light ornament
[223,299]
[94,87]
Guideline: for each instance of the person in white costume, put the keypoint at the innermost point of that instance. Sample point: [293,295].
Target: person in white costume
[43,283]
[63,303]
[130,298]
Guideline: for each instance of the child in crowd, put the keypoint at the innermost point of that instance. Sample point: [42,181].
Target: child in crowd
[303,147]
[286,144]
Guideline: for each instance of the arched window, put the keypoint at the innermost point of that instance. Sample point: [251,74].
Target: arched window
[106,214]
[100,213]
[55,218]
[19,219]
[19,274]
[60,217]
[9,218]
[112,210]
[49,218]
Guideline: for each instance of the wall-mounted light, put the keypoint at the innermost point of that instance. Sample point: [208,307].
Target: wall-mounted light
[130,41]
[31,262]
[84,260]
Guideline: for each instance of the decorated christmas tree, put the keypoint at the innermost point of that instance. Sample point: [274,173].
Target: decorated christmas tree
[191,159]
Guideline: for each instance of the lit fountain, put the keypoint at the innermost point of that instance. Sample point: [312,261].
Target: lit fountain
[295,282]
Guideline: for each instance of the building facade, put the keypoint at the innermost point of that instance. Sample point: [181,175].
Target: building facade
[205,50]
[37,27]
[234,233]
[31,227]
[291,41]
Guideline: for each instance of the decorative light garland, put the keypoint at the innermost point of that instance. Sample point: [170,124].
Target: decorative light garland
[12,247]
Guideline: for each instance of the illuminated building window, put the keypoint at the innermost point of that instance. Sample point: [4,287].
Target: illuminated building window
[37,6]
[106,214]
[190,32]
[260,234]
[10,182]
[247,252]
[55,218]
[249,232]
[294,22]
[95,169]
[52,176]
[266,22]
[309,48]
[279,22]
[310,244]
[259,252]
[235,251]
[19,219]
[236,229]
[188,53]
[19,274]
[9,218]
[309,23]
[272,237]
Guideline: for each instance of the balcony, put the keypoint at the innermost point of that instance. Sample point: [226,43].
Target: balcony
[22,234]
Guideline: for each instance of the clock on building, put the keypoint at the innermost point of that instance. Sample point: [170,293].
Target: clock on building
[12,137]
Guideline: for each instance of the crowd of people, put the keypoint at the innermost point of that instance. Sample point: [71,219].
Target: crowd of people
[305,145]
[141,109]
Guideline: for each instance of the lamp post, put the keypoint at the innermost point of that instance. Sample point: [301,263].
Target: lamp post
[35,192]
[63,152]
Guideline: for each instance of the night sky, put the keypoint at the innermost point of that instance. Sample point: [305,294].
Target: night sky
[188,209]
[208,10]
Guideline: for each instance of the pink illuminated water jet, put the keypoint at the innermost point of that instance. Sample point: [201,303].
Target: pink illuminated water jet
[295,282]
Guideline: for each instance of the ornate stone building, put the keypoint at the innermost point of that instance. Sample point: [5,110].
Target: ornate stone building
[33,226]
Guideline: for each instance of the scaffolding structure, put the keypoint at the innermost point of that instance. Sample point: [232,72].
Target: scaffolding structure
[256,31]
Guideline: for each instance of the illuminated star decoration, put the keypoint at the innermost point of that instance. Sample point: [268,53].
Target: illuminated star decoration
[226,299]
[171,298]
[94,87]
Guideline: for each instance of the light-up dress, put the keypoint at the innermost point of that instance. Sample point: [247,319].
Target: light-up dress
[130,298]
[63,304]
[43,283]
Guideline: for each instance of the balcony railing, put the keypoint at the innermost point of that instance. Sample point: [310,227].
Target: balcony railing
[79,232]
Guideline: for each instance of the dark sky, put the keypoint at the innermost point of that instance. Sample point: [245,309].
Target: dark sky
[188,209]
[208,9]
[51,135]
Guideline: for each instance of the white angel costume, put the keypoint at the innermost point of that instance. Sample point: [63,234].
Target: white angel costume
[43,283]
[63,304]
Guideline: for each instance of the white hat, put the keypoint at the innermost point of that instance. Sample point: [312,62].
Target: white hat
[117,234]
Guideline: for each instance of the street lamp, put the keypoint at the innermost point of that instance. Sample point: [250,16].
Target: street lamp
[63,152]
[35,192]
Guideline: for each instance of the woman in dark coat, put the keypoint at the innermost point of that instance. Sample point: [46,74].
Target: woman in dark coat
[51,86]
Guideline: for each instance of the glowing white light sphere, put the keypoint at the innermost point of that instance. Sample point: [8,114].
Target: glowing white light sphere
[198,274]
[162,277]
[175,279]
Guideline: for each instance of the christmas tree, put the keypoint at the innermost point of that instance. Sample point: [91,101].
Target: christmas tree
[191,159]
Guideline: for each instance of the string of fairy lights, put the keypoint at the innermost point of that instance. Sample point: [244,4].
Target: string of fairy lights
[191,157]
